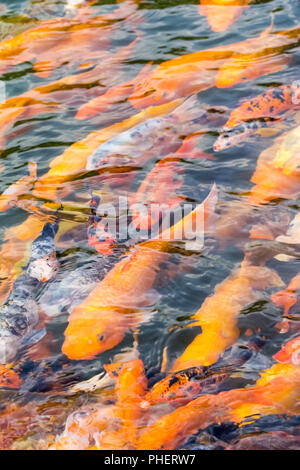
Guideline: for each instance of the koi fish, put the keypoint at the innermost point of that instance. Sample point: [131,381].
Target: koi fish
[259,57]
[202,70]
[274,178]
[10,196]
[137,145]
[160,185]
[289,296]
[218,315]
[290,352]
[130,390]
[99,238]
[43,264]
[276,391]
[184,385]
[221,14]
[18,316]
[74,159]
[109,424]
[61,296]
[116,304]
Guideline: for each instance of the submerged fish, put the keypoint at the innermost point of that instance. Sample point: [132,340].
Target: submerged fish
[159,187]
[118,302]
[260,56]
[221,14]
[137,145]
[185,385]
[218,315]
[61,296]
[10,196]
[276,177]
[256,115]
[18,317]
[43,264]
[276,391]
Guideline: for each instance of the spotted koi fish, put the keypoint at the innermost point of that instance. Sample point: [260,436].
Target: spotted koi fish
[276,391]
[260,112]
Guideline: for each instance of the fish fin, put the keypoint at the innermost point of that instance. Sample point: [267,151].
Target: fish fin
[164,359]
[32,167]
[267,132]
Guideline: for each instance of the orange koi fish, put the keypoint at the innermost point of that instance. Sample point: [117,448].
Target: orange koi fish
[109,425]
[219,312]
[221,14]
[252,115]
[10,196]
[290,352]
[72,162]
[59,36]
[115,305]
[289,296]
[277,391]
[259,56]
[160,185]
[130,390]
[272,178]
[201,70]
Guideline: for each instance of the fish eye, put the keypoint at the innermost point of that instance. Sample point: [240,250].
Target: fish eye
[100,337]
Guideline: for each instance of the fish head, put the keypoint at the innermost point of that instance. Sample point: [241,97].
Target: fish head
[290,352]
[43,269]
[232,137]
[90,333]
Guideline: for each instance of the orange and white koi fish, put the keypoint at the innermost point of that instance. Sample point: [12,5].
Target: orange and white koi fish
[252,116]
[221,14]
[160,185]
[117,303]
[9,378]
[218,315]
[10,196]
[276,391]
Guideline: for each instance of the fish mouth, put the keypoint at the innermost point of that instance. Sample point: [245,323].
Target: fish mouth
[9,346]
